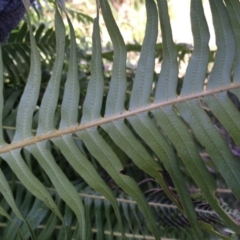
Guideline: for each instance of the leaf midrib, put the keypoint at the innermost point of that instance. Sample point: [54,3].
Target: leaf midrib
[126,114]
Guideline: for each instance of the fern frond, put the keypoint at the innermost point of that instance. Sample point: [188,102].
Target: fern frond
[159,129]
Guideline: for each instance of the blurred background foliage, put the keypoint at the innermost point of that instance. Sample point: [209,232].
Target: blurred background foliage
[131,18]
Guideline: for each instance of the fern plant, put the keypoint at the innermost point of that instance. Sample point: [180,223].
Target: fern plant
[160,135]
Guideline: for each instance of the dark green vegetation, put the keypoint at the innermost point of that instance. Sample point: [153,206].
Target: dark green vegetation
[163,150]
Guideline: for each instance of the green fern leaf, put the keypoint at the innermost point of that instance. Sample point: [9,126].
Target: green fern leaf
[161,135]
